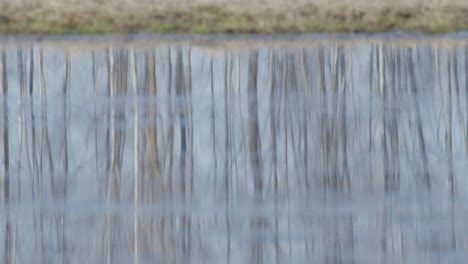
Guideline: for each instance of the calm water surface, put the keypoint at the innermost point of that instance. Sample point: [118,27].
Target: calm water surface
[328,151]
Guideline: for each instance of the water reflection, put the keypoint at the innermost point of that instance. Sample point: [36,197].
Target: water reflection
[328,153]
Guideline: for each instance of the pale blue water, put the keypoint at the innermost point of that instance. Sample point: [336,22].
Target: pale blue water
[297,150]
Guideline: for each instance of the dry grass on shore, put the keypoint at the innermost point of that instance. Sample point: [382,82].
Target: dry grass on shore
[99,16]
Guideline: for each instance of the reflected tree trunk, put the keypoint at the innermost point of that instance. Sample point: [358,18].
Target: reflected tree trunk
[109,151]
[452,72]
[136,173]
[466,100]
[306,119]
[323,108]
[45,130]
[155,180]
[284,95]
[254,134]
[5,164]
[213,124]
[256,249]
[170,153]
[65,87]
[370,131]
[345,177]
[181,106]
[189,124]
[5,152]
[421,140]
[333,120]
[150,84]
[449,117]
[273,132]
[227,156]
[170,132]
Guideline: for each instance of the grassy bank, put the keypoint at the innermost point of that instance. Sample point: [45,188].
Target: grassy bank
[104,16]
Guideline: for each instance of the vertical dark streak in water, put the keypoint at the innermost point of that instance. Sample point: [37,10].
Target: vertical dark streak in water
[323,106]
[152,148]
[121,86]
[151,161]
[402,74]
[181,101]
[151,134]
[189,113]
[291,88]
[151,85]
[109,118]
[181,106]
[256,254]
[65,85]
[122,65]
[241,121]
[95,116]
[448,126]
[213,125]
[306,118]
[5,166]
[189,124]
[381,68]
[154,115]
[31,71]
[458,93]
[394,120]
[136,171]
[333,124]
[273,119]
[117,82]
[44,137]
[35,168]
[449,142]
[227,157]
[20,118]
[65,127]
[41,119]
[346,84]
[466,100]
[33,119]
[108,152]
[45,129]
[284,72]
[232,128]
[170,133]
[414,93]
[284,75]
[254,134]
[371,84]
[344,181]
[22,75]
[5,152]
[404,90]
[383,92]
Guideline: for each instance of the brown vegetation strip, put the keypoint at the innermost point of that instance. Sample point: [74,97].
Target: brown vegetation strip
[102,16]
